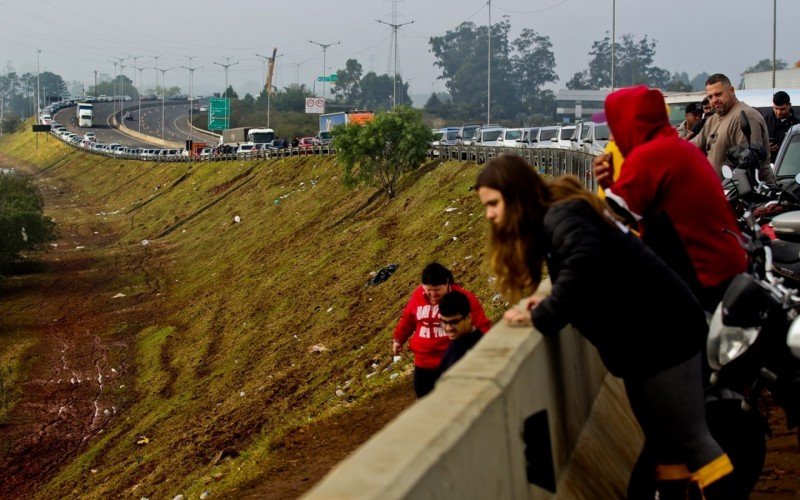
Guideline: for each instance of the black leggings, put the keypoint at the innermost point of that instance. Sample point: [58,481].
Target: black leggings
[424,380]
[670,407]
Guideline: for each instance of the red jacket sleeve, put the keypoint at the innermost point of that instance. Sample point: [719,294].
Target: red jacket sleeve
[479,319]
[636,187]
[408,322]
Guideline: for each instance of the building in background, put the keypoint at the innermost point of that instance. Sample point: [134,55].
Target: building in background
[574,105]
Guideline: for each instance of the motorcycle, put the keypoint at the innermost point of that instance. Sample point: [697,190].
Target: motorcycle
[753,345]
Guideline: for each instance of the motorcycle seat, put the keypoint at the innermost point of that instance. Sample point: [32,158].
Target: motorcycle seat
[785,252]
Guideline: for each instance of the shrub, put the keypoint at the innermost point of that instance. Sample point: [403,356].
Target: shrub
[22,223]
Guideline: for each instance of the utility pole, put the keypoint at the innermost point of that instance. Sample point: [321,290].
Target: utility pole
[2,102]
[324,53]
[95,84]
[613,40]
[163,86]
[226,66]
[139,91]
[394,27]
[191,93]
[155,67]
[38,86]
[489,73]
[774,37]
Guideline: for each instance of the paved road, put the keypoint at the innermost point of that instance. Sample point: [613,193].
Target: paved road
[176,118]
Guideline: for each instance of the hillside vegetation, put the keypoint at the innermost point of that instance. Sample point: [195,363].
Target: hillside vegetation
[217,338]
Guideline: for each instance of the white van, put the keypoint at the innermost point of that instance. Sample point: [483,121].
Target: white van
[564,136]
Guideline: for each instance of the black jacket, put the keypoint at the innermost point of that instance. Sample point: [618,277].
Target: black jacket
[458,348]
[638,313]
[777,129]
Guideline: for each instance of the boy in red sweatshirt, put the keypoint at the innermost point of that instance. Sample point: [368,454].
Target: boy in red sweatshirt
[420,321]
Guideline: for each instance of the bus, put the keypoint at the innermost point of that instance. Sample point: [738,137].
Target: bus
[84,113]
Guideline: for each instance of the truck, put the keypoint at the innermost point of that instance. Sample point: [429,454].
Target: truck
[329,120]
[255,135]
[84,114]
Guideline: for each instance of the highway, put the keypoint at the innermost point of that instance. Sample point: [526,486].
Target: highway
[176,118]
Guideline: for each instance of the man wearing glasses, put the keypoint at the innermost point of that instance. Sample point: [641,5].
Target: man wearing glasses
[454,312]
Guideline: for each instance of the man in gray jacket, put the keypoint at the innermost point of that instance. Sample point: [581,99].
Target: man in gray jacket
[722,130]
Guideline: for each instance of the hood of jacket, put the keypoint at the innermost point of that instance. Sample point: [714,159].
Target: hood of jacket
[637,115]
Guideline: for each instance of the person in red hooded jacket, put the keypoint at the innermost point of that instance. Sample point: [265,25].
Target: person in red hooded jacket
[422,323]
[673,194]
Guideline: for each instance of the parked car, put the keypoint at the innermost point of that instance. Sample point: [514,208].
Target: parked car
[548,137]
[307,143]
[487,136]
[245,149]
[89,136]
[564,136]
[509,137]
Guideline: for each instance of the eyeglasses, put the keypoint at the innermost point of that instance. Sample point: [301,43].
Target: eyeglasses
[452,322]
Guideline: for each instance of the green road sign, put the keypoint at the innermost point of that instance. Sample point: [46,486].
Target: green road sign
[332,78]
[219,113]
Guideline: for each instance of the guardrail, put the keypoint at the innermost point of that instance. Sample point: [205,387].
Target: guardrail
[549,161]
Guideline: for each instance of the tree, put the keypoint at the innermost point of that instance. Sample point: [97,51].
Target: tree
[376,91]
[381,150]
[765,65]
[699,81]
[520,70]
[534,66]
[22,224]
[293,98]
[230,93]
[633,64]
[679,83]
[347,88]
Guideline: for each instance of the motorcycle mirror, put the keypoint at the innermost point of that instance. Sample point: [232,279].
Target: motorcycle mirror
[727,172]
[745,124]
[793,337]
[797,178]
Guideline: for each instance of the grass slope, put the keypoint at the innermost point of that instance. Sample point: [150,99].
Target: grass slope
[222,367]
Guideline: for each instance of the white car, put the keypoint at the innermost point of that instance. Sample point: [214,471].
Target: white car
[89,136]
[488,136]
[548,137]
[509,138]
[564,136]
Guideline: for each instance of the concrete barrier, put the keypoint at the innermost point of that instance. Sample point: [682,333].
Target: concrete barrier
[518,409]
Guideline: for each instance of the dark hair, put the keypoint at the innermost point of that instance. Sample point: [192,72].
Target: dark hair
[718,77]
[706,101]
[436,274]
[781,98]
[454,303]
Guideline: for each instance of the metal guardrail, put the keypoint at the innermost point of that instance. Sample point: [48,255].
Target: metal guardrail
[555,162]
[547,161]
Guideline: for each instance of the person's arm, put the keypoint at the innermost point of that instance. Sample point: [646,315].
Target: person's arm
[479,319]
[575,243]
[632,195]
[405,327]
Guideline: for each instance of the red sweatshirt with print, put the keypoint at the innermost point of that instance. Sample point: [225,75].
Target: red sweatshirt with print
[420,321]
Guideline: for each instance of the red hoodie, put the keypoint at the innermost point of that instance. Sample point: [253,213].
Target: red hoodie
[420,318]
[673,191]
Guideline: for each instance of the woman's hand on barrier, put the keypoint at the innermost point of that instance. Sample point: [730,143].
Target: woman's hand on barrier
[517,317]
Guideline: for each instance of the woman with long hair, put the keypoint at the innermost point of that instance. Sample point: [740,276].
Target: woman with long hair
[645,322]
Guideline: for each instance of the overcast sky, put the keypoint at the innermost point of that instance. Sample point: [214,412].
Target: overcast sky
[77,37]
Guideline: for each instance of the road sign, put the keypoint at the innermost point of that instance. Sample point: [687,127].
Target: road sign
[219,113]
[315,105]
[332,78]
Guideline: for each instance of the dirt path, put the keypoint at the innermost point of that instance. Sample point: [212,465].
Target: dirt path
[68,397]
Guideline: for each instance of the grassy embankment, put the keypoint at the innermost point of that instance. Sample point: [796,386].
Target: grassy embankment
[223,362]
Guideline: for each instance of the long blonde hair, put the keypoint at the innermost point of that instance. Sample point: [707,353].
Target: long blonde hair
[516,245]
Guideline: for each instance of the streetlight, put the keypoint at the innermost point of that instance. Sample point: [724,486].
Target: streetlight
[324,53]
[226,66]
[613,40]
[191,93]
[139,91]
[38,96]
[163,86]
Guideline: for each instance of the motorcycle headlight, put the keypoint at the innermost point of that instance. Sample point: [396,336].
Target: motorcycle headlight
[726,343]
